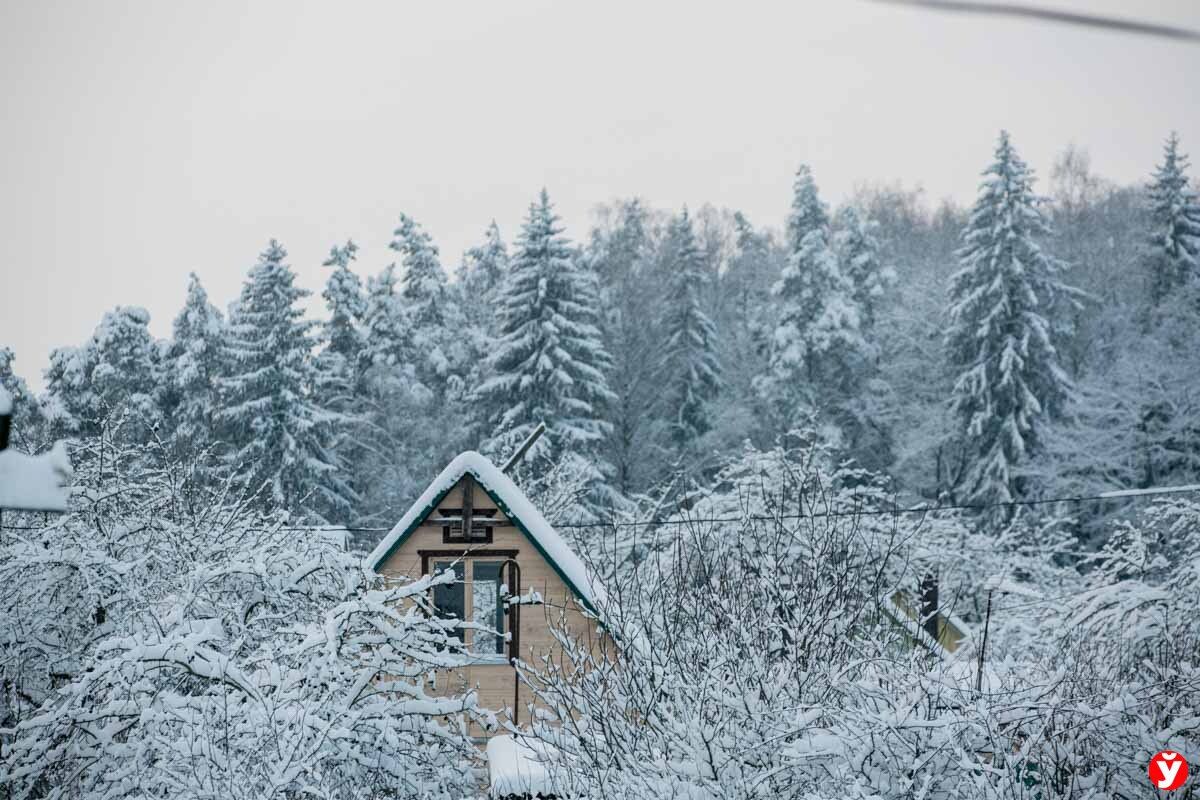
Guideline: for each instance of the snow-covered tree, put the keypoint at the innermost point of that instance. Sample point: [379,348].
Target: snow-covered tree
[484,266]
[1173,253]
[817,348]
[549,363]
[424,280]
[1002,340]
[689,362]
[278,432]
[193,365]
[433,320]
[857,249]
[25,433]
[620,253]
[160,640]
[342,335]
[115,372]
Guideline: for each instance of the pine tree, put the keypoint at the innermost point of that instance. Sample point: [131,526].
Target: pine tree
[1173,254]
[817,345]
[278,432]
[689,363]
[341,335]
[433,321]
[549,363]
[424,280]
[619,254]
[1002,340]
[808,213]
[194,362]
[858,252]
[114,376]
[484,267]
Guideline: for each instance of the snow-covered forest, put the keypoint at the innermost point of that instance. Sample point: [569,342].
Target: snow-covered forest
[740,422]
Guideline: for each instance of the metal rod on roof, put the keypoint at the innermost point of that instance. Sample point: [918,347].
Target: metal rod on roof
[524,448]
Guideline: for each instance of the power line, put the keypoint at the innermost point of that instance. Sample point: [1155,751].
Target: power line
[1118,494]
[1054,15]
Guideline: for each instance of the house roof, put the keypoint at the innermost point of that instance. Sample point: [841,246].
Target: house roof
[509,498]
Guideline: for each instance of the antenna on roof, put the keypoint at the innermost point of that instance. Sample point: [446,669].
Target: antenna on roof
[524,448]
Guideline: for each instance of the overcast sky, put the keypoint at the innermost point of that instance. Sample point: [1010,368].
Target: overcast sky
[144,140]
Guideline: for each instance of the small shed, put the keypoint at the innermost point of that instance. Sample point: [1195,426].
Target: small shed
[474,520]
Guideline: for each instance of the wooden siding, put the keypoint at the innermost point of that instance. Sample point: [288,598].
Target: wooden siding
[496,681]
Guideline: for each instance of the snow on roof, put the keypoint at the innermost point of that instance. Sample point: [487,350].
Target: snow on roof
[35,483]
[514,504]
[514,768]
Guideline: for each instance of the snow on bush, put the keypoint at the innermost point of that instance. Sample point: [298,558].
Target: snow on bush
[161,641]
[752,660]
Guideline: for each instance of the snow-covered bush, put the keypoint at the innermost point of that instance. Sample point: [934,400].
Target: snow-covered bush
[752,659]
[162,641]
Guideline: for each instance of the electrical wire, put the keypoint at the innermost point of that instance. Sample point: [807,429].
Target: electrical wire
[1054,15]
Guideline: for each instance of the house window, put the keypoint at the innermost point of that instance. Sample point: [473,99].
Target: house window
[477,599]
[487,610]
[449,599]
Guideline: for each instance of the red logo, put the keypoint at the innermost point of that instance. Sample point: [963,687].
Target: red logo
[1168,770]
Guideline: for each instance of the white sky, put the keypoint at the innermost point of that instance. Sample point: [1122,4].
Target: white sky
[143,140]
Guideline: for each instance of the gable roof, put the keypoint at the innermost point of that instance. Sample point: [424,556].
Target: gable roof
[516,506]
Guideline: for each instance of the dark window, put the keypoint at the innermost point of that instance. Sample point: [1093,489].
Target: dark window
[449,599]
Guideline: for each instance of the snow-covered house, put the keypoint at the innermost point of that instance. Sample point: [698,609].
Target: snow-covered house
[475,520]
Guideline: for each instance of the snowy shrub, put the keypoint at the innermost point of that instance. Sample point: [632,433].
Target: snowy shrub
[160,641]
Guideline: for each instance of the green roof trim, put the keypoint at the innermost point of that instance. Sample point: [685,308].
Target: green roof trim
[424,513]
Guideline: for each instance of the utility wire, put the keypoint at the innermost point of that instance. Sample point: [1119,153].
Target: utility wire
[1054,15]
[1128,494]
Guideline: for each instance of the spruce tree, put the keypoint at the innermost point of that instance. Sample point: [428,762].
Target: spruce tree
[549,362]
[817,345]
[689,364]
[278,432]
[434,323]
[1003,337]
[113,376]
[424,280]
[1173,254]
[341,336]
[193,367]
[484,267]
[857,249]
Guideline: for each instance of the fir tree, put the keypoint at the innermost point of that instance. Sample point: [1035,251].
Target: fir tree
[549,362]
[808,213]
[1173,255]
[858,252]
[817,345]
[433,322]
[484,267]
[424,280]
[341,335]
[193,367]
[115,374]
[689,364]
[1002,340]
[278,432]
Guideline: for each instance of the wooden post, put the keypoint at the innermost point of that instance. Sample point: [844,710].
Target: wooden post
[929,606]
[524,448]
[468,506]
[987,618]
